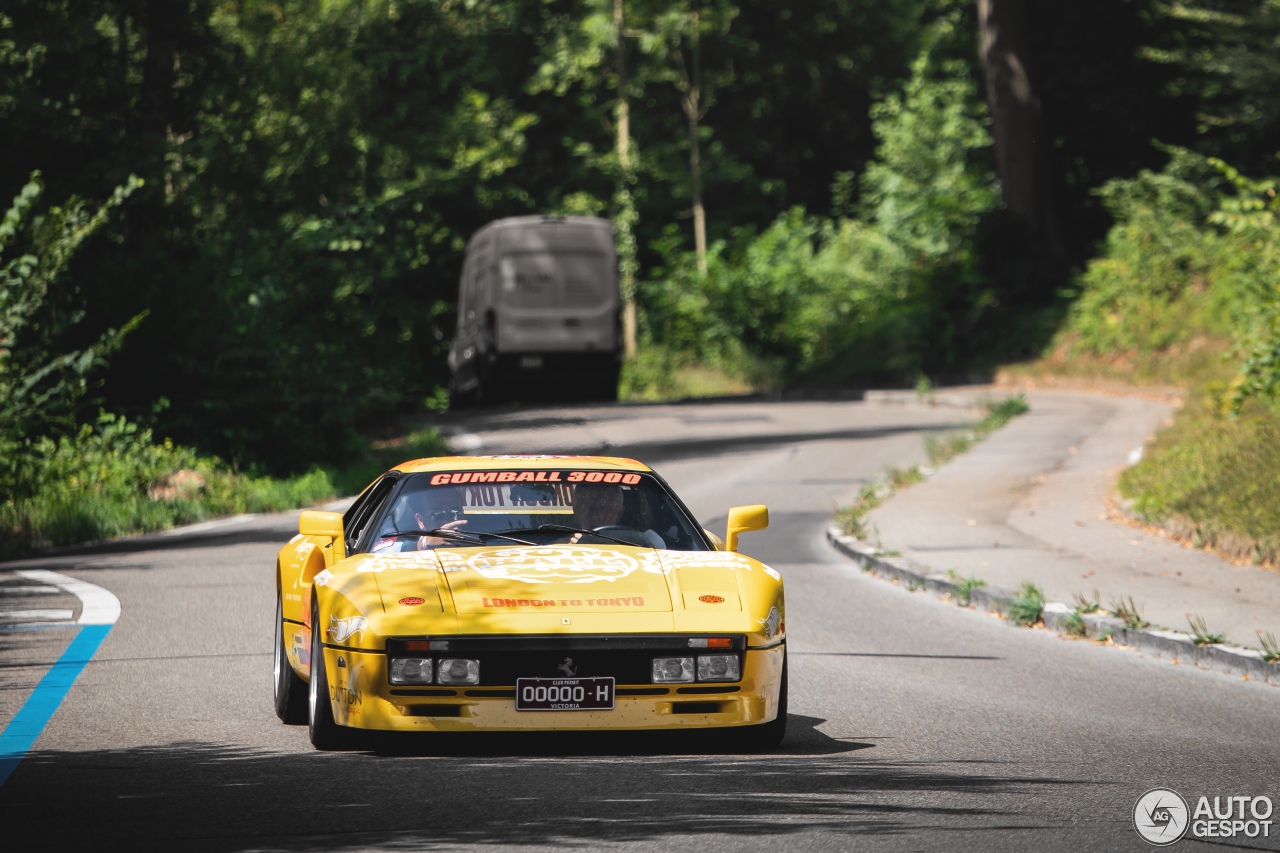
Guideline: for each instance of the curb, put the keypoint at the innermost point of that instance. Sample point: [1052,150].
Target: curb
[1175,646]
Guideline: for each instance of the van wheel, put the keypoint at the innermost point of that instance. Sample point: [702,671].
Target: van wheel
[463,399]
[606,388]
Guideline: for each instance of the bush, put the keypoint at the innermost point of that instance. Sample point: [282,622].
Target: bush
[111,479]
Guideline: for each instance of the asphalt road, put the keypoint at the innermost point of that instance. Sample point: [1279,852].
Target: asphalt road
[914,725]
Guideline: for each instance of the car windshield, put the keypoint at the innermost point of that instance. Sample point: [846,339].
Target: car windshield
[463,508]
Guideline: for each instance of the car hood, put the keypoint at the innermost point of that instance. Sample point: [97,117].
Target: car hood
[558,588]
[557,578]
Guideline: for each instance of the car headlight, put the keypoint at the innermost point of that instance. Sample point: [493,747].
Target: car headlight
[672,670]
[718,668]
[411,671]
[458,671]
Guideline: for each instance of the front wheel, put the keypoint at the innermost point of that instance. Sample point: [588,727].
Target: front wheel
[325,733]
[290,691]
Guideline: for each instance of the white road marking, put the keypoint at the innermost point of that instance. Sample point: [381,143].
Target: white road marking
[36,615]
[99,606]
[28,590]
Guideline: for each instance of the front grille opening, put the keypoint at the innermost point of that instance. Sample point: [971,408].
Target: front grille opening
[641,691]
[433,710]
[699,707]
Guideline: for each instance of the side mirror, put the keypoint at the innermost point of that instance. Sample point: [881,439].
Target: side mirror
[314,523]
[743,519]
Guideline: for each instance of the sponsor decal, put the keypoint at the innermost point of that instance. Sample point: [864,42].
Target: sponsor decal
[301,551]
[349,693]
[323,577]
[292,596]
[554,563]
[712,560]
[711,599]
[301,651]
[525,456]
[771,623]
[462,477]
[567,668]
[412,601]
[400,560]
[342,662]
[341,630]
[632,601]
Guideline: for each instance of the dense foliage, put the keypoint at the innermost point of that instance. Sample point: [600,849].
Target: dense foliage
[879,287]
[312,169]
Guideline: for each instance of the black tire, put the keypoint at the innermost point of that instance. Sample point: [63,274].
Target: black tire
[290,690]
[325,733]
[769,735]
[470,398]
[606,389]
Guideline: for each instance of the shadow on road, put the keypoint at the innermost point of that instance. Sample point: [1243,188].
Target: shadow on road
[530,790]
[261,533]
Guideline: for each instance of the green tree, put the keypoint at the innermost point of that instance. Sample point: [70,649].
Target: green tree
[40,389]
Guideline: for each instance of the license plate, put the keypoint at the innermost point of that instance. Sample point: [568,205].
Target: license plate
[531,362]
[564,694]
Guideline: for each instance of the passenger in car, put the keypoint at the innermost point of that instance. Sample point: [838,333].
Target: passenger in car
[598,506]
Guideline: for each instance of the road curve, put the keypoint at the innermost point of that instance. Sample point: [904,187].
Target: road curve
[914,725]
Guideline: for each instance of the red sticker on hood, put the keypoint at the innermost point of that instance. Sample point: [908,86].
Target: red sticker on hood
[711,599]
[412,601]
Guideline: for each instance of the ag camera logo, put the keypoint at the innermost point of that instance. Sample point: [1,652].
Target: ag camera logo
[1160,816]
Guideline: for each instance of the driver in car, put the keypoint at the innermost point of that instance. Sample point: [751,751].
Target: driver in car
[601,505]
[434,508]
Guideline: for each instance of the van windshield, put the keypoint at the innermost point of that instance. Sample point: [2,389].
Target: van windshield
[560,280]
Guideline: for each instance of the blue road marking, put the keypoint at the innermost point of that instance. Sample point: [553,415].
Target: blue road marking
[20,735]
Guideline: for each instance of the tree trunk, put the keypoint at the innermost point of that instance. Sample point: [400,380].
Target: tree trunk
[1022,145]
[626,260]
[691,107]
[164,22]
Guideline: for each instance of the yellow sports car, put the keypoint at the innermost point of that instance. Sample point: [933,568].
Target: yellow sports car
[503,593]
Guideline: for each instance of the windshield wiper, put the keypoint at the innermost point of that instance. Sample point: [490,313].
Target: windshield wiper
[464,535]
[564,528]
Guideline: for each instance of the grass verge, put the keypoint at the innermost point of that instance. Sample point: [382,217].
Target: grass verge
[112,480]
[658,374]
[1208,478]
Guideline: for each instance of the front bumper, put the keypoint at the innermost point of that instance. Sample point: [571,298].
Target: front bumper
[370,702]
